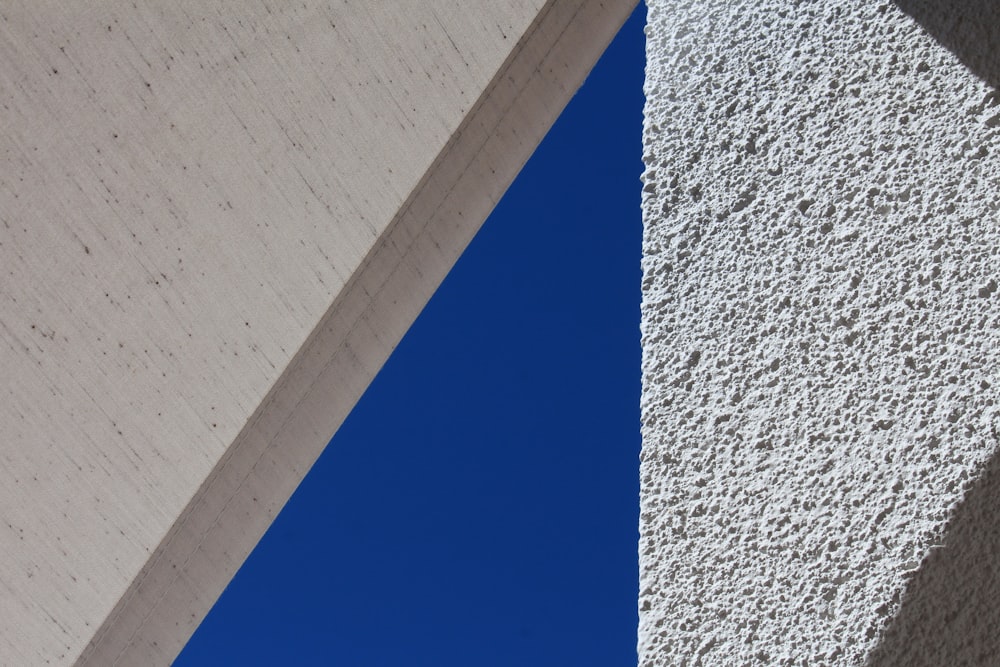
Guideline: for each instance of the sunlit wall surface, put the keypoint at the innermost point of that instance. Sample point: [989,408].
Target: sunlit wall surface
[820,334]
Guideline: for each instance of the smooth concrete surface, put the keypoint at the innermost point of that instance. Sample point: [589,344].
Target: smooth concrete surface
[821,334]
[216,221]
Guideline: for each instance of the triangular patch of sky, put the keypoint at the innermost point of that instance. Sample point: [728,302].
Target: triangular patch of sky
[480,504]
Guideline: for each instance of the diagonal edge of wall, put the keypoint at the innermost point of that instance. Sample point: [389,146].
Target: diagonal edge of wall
[262,467]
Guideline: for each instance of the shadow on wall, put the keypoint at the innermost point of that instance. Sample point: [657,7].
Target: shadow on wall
[950,613]
[968,28]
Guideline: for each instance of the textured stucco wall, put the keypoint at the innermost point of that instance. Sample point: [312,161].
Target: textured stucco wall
[821,334]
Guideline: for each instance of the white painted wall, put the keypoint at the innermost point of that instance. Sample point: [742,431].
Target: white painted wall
[216,221]
[821,334]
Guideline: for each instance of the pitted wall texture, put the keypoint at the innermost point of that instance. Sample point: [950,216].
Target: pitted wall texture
[820,325]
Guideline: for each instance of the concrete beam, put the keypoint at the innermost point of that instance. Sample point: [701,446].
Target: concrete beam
[820,334]
[215,225]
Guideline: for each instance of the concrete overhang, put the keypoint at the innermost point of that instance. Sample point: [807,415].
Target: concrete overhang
[215,225]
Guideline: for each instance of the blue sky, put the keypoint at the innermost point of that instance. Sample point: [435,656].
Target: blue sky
[480,504]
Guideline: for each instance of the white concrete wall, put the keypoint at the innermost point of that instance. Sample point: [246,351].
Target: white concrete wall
[821,334]
[216,221]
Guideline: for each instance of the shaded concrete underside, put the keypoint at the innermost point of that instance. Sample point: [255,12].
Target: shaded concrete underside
[214,228]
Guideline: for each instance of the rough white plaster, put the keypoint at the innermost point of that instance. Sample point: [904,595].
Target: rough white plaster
[216,221]
[821,328]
